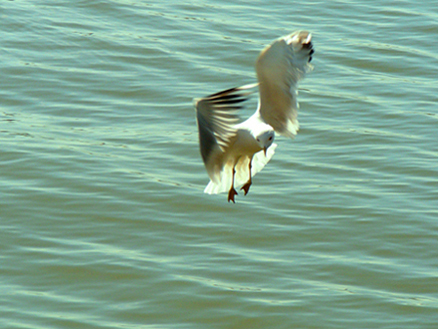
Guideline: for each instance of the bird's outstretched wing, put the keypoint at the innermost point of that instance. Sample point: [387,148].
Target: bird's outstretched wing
[217,116]
[279,67]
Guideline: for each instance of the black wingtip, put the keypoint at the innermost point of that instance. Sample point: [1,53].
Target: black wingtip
[309,46]
[223,92]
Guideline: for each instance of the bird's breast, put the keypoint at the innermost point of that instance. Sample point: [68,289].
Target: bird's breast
[245,144]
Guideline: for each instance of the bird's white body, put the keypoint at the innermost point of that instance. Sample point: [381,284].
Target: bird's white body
[242,149]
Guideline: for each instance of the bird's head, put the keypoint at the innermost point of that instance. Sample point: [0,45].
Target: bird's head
[265,139]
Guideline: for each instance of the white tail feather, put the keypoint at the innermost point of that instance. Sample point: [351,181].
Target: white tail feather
[242,174]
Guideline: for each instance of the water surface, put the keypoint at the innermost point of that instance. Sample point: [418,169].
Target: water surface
[103,219]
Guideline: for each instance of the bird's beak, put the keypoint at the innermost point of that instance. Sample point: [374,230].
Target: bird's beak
[265,149]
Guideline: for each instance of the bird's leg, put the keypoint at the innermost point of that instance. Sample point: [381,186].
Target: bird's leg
[232,191]
[249,182]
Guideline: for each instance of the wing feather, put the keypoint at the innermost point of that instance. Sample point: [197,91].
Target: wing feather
[217,117]
[279,67]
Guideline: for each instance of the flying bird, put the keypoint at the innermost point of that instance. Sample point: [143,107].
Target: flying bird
[234,151]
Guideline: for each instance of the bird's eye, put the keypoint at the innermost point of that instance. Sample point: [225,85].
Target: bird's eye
[270,138]
[258,139]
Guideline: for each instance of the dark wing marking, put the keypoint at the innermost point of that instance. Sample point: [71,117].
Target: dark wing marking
[217,116]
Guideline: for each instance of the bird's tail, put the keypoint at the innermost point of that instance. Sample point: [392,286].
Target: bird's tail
[242,174]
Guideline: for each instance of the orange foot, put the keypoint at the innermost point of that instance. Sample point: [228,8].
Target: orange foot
[246,187]
[231,195]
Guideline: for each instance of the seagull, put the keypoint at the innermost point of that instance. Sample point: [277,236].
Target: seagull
[234,151]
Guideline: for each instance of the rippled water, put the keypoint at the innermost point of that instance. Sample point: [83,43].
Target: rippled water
[103,219]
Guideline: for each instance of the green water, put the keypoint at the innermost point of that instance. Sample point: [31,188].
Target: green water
[103,219]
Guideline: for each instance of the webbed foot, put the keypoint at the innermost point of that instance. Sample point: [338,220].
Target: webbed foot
[246,187]
[231,195]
